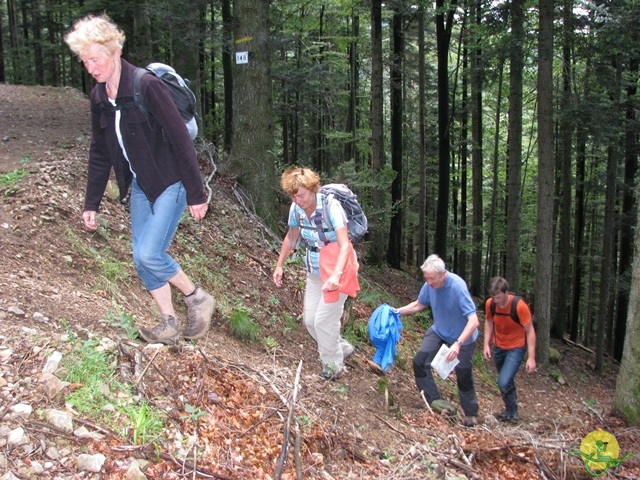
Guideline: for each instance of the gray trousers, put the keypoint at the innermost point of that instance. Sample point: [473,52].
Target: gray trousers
[464,372]
[323,323]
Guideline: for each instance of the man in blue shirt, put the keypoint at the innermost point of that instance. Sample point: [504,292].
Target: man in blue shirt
[455,323]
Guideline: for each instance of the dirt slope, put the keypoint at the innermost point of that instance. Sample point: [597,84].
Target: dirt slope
[56,273]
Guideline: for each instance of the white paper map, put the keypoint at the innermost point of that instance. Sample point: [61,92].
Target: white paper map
[440,365]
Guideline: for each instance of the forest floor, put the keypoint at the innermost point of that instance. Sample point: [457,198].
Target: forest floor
[224,398]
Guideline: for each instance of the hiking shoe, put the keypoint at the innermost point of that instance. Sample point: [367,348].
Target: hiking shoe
[200,307]
[331,374]
[348,351]
[506,417]
[167,331]
[470,422]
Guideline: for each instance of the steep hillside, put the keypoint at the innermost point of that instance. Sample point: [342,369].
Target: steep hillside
[228,402]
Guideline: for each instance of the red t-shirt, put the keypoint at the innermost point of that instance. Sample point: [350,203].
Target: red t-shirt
[507,333]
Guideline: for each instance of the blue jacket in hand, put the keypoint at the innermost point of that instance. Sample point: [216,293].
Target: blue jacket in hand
[384,333]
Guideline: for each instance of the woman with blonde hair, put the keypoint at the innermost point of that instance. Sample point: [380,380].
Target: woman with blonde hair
[155,165]
[330,262]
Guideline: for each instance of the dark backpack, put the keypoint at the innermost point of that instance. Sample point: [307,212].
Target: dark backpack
[513,313]
[357,226]
[179,89]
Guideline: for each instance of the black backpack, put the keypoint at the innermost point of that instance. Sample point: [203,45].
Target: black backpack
[513,313]
[356,227]
[181,94]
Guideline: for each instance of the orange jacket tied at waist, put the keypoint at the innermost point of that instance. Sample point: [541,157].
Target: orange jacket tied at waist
[349,279]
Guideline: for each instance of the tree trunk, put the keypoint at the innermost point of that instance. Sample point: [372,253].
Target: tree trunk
[351,125]
[544,238]
[628,215]
[2,57]
[607,239]
[475,285]
[464,153]
[36,28]
[377,222]
[228,50]
[443,39]
[562,292]
[394,250]
[491,264]
[253,108]
[626,400]
[578,235]
[514,169]
[422,166]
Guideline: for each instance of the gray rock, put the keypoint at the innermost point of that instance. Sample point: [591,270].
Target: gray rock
[59,419]
[52,362]
[39,317]
[16,311]
[52,453]
[134,473]
[90,463]
[52,385]
[22,410]
[16,436]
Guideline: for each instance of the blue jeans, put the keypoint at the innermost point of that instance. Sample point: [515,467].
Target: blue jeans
[508,362]
[152,229]
[464,372]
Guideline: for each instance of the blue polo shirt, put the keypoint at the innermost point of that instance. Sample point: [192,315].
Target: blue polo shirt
[451,305]
[298,219]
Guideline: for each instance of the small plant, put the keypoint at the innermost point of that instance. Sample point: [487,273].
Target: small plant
[194,413]
[146,423]
[555,374]
[124,321]
[342,389]
[270,344]
[591,402]
[273,300]
[10,180]
[290,322]
[242,325]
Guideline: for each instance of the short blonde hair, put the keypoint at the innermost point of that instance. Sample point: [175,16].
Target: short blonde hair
[95,30]
[295,177]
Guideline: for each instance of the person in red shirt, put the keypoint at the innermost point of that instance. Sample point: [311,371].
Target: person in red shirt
[511,339]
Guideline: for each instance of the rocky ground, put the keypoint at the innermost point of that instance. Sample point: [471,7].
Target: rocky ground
[225,402]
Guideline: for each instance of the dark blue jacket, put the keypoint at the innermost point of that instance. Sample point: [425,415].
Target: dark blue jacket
[159,147]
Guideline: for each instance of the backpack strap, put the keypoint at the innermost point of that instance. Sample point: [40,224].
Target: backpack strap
[514,309]
[320,221]
[137,90]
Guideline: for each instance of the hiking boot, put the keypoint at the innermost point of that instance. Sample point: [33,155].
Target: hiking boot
[348,350]
[470,422]
[507,417]
[200,307]
[331,374]
[167,331]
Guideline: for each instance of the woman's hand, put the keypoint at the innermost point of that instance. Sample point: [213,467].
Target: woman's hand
[198,211]
[331,283]
[89,218]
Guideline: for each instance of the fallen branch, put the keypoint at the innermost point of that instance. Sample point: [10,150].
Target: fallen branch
[425,402]
[147,367]
[290,419]
[581,347]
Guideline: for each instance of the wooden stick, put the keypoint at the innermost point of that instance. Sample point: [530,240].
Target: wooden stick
[290,419]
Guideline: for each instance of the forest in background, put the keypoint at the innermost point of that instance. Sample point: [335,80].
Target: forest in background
[501,135]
